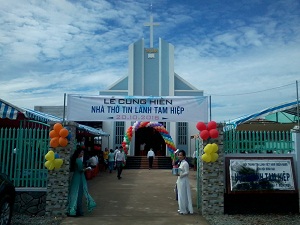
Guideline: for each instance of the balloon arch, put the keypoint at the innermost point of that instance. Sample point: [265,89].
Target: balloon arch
[156,126]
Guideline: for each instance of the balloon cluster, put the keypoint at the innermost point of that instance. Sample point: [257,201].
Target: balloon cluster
[52,161]
[58,136]
[206,132]
[210,153]
[209,131]
[156,126]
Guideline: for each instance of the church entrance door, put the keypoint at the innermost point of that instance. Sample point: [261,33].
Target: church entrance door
[146,138]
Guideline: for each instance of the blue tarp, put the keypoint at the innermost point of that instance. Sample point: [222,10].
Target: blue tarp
[8,110]
[288,107]
[44,117]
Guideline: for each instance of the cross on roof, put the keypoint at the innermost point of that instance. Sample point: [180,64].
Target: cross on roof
[151,25]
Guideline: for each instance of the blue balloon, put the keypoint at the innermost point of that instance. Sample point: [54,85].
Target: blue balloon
[56,156]
[69,136]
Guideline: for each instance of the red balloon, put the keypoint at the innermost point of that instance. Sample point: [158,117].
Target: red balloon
[53,134]
[201,126]
[57,127]
[54,142]
[63,132]
[214,133]
[63,142]
[211,125]
[204,134]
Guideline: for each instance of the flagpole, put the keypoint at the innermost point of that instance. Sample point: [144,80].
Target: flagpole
[210,108]
[64,114]
[298,104]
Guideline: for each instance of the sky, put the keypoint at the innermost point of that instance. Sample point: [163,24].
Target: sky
[245,55]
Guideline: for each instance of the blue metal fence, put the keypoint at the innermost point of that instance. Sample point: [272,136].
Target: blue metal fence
[279,142]
[22,154]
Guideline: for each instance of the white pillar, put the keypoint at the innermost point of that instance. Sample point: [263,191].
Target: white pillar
[296,140]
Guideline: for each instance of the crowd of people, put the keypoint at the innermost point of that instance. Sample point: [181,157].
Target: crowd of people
[111,160]
[80,165]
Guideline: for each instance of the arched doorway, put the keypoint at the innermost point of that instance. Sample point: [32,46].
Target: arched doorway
[146,138]
[157,127]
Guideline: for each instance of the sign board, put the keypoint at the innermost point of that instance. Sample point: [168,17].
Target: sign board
[260,174]
[137,108]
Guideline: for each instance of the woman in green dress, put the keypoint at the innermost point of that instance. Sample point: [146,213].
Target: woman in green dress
[78,187]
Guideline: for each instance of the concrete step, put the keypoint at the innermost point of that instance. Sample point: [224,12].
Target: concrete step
[141,162]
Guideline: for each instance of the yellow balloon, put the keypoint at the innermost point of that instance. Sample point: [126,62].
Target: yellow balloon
[208,149]
[206,157]
[215,147]
[49,165]
[57,163]
[214,157]
[50,155]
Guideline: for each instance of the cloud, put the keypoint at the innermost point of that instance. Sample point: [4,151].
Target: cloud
[49,48]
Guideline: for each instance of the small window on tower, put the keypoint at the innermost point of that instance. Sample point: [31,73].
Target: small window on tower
[151,56]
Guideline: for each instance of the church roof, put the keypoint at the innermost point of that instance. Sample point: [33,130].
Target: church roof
[121,84]
[181,87]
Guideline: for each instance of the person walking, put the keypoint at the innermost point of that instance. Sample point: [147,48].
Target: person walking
[116,150]
[183,186]
[176,164]
[78,186]
[195,160]
[119,161]
[105,157]
[111,160]
[150,157]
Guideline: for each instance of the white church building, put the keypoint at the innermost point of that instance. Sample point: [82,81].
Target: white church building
[151,73]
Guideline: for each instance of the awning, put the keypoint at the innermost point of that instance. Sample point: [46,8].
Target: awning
[40,116]
[94,131]
[288,107]
[44,117]
[8,110]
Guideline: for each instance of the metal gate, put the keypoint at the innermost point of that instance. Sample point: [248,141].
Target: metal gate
[22,152]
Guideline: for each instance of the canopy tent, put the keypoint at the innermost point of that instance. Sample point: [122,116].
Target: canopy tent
[8,110]
[11,112]
[284,113]
[44,117]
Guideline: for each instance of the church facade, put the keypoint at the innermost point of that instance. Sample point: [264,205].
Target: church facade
[151,73]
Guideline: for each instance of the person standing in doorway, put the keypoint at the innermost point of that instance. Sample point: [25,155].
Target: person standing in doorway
[78,186]
[142,148]
[150,157]
[183,186]
[119,161]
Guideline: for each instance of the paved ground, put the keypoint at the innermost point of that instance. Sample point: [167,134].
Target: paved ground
[140,197]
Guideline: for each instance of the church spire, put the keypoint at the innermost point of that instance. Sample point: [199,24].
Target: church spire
[151,24]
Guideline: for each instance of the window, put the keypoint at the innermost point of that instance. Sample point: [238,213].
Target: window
[164,124]
[119,132]
[182,133]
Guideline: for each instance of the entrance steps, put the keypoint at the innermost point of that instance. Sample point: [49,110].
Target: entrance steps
[141,162]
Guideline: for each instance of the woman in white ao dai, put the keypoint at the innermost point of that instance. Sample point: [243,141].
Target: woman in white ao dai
[183,186]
